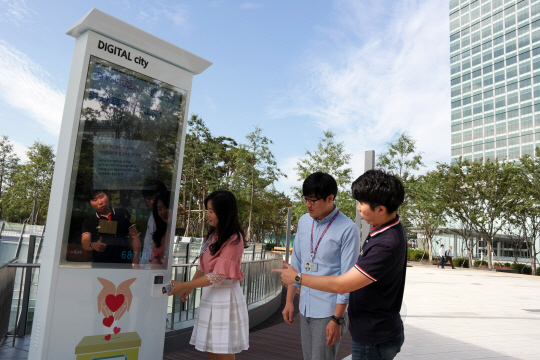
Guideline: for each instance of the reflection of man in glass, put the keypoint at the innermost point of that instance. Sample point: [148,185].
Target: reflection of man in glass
[109,233]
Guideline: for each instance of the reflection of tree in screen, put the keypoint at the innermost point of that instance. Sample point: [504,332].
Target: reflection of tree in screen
[122,104]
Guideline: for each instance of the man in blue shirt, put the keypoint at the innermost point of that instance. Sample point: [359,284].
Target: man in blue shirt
[327,243]
[377,281]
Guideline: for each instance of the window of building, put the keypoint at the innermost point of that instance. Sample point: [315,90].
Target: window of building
[456,127]
[513,114]
[455,58]
[511,60]
[523,30]
[524,68]
[477,85]
[488,119]
[513,154]
[501,143]
[511,46]
[467,88]
[456,91]
[525,95]
[456,81]
[523,15]
[512,99]
[488,94]
[514,140]
[513,126]
[477,97]
[512,87]
[456,139]
[486,56]
[489,145]
[500,103]
[524,41]
[526,110]
[524,83]
[524,55]
[489,131]
[467,125]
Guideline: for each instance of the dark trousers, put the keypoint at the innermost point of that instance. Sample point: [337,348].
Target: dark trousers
[384,351]
[442,262]
[449,258]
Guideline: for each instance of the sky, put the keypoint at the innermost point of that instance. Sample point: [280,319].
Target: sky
[367,70]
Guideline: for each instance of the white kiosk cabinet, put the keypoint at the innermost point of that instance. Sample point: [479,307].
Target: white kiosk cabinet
[115,184]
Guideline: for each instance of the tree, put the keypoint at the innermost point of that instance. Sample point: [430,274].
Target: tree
[426,211]
[8,165]
[256,169]
[527,211]
[401,157]
[31,182]
[481,195]
[330,157]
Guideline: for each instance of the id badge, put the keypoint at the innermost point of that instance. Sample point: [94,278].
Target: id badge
[107,227]
[311,266]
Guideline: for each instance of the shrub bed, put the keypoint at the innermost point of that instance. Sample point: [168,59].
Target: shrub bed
[477,263]
[521,268]
[461,262]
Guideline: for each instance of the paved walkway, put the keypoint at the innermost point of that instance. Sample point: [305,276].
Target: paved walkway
[470,314]
[450,315]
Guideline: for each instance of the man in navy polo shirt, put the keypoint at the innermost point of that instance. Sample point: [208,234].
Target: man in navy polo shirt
[377,281]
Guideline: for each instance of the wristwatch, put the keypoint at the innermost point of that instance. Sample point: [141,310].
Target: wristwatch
[338,320]
[298,278]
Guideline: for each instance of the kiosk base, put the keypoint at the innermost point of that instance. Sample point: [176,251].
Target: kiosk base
[118,347]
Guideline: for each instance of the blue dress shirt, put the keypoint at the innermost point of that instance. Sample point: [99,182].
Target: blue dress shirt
[337,254]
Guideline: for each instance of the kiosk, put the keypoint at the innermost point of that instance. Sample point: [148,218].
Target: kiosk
[114,198]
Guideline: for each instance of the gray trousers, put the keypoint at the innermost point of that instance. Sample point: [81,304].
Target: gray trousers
[313,334]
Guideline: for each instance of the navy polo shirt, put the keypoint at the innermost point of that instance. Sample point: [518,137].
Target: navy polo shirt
[118,244]
[374,309]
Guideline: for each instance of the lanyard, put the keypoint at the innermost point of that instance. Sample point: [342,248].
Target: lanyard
[206,247]
[322,235]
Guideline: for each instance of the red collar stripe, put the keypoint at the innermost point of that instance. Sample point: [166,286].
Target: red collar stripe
[384,229]
[365,273]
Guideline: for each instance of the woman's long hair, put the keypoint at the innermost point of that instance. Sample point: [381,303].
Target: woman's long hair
[161,226]
[226,210]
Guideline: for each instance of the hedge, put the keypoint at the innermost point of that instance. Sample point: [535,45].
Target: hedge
[461,262]
[521,269]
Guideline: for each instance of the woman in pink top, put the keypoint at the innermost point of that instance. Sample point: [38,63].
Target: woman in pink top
[222,325]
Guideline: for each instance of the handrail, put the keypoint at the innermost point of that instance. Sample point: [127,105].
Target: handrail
[22,265]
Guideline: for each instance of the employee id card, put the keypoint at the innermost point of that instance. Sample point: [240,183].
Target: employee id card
[311,266]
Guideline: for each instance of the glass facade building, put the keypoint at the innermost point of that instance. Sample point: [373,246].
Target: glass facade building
[495,78]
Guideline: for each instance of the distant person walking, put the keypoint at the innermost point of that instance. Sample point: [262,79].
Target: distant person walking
[448,257]
[441,255]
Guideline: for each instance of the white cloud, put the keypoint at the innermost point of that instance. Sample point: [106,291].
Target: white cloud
[15,11]
[26,86]
[177,14]
[383,69]
[287,166]
[250,5]
[20,150]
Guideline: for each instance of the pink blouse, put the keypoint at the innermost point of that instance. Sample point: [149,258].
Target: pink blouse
[226,261]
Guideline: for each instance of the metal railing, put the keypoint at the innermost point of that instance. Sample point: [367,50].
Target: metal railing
[7,283]
[260,285]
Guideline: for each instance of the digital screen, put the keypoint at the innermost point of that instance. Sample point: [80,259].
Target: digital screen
[158,280]
[126,159]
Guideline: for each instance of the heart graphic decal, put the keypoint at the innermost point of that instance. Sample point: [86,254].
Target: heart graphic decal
[116,330]
[108,321]
[108,337]
[114,302]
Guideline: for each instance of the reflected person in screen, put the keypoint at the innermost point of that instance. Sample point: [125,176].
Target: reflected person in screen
[152,189]
[160,237]
[109,233]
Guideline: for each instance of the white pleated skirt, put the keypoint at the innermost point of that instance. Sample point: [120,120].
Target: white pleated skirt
[222,324]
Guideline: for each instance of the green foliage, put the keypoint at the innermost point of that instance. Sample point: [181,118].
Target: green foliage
[31,181]
[330,157]
[538,272]
[248,170]
[507,264]
[8,166]
[401,157]
[461,262]
[416,255]
[521,268]
[477,263]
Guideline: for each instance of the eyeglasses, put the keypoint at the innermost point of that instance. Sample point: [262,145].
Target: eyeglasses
[310,201]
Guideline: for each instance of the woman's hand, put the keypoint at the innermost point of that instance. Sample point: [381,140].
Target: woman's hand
[185,295]
[179,288]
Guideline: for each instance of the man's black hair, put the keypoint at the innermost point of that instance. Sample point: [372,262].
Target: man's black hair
[90,192]
[377,187]
[320,184]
